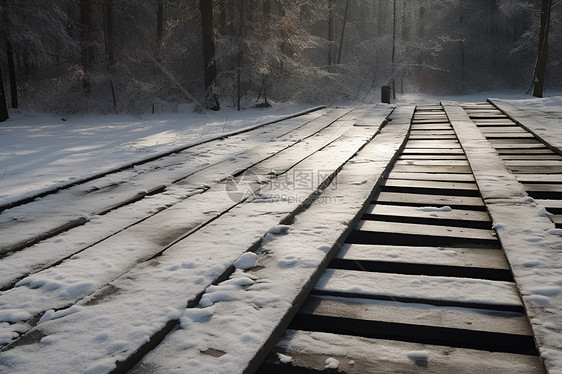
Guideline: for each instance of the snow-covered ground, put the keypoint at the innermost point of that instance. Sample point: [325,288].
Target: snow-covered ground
[39,152]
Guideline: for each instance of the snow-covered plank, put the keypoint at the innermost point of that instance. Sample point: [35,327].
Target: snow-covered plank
[530,240]
[147,300]
[447,256]
[430,200]
[443,213]
[547,156]
[392,312]
[423,289]
[111,257]
[432,177]
[433,162]
[92,198]
[431,157]
[314,350]
[425,230]
[543,125]
[441,169]
[287,268]
[432,185]
[534,178]
[163,228]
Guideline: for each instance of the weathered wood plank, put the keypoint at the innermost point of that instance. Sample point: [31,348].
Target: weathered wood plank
[448,291]
[431,157]
[433,162]
[523,151]
[447,256]
[538,178]
[508,135]
[432,169]
[425,230]
[357,355]
[432,176]
[418,314]
[428,212]
[551,156]
[536,169]
[432,151]
[458,188]
[429,200]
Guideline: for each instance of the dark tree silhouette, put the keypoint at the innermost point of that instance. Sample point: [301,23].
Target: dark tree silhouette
[3,109]
[206,7]
[540,68]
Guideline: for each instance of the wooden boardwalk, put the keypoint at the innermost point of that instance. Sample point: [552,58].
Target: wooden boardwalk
[385,242]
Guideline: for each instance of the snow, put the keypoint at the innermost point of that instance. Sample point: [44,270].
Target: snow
[40,152]
[97,289]
[332,363]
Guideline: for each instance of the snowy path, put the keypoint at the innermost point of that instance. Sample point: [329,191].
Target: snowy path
[198,262]
[110,265]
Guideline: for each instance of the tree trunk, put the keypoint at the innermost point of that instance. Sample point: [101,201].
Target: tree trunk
[86,32]
[540,68]
[160,22]
[3,108]
[330,30]
[394,49]
[222,17]
[10,56]
[240,53]
[206,7]
[267,9]
[109,32]
[343,30]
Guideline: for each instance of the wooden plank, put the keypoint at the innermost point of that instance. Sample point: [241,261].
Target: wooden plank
[514,146]
[418,314]
[429,200]
[433,185]
[433,162]
[538,163]
[537,178]
[358,355]
[427,212]
[431,132]
[446,256]
[493,123]
[447,291]
[431,137]
[501,141]
[509,135]
[432,169]
[523,151]
[431,157]
[556,204]
[425,230]
[503,129]
[432,144]
[430,127]
[432,176]
[433,151]
[552,156]
[536,169]
[542,187]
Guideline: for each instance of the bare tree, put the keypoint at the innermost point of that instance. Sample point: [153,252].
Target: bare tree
[206,8]
[542,58]
[10,55]
[3,108]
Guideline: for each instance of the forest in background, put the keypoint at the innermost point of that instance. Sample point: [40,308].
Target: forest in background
[104,56]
